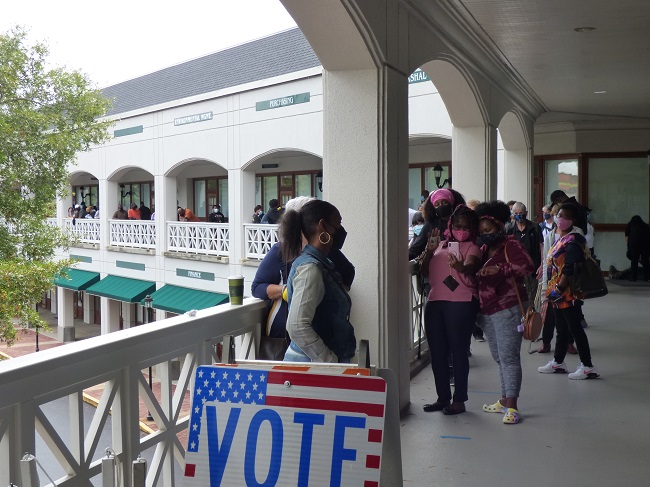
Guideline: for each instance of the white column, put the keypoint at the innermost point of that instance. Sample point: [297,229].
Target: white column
[108,200]
[518,175]
[54,300]
[241,199]
[366,160]
[165,211]
[474,159]
[88,312]
[110,315]
[128,315]
[65,316]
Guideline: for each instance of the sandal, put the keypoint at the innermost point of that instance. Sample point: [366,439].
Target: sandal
[494,408]
[511,416]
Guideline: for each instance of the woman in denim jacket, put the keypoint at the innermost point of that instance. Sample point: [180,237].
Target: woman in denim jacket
[319,306]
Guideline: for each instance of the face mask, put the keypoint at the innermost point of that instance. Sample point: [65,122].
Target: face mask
[520,218]
[589,217]
[564,224]
[489,239]
[461,235]
[444,211]
[421,199]
[555,218]
[215,210]
[338,239]
[259,212]
[547,216]
[417,229]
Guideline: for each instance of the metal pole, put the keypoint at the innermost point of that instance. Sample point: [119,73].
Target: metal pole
[148,303]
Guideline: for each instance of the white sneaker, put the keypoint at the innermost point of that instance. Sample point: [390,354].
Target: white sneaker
[552,368]
[584,373]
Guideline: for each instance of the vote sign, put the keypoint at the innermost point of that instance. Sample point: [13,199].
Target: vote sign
[276,427]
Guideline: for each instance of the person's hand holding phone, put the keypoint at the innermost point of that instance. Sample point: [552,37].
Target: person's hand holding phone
[434,241]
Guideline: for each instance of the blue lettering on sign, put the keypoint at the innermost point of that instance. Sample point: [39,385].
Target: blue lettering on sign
[219,456]
[308,420]
[277,434]
[339,452]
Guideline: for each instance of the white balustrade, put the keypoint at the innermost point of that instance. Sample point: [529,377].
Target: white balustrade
[117,363]
[259,239]
[139,234]
[86,230]
[51,222]
[198,238]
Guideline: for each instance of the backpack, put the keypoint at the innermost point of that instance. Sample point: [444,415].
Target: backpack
[588,278]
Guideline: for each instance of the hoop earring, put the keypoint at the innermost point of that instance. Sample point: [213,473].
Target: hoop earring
[320,238]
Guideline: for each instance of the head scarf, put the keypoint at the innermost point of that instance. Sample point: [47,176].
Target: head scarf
[442,194]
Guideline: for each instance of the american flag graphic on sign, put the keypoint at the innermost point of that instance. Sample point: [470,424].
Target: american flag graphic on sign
[251,426]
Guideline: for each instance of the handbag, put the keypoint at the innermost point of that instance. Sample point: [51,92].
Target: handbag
[272,348]
[588,278]
[531,319]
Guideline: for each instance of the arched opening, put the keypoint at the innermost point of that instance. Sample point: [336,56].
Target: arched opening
[133,185]
[84,192]
[285,173]
[201,185]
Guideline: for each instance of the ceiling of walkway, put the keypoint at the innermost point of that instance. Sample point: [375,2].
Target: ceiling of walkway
[605,71]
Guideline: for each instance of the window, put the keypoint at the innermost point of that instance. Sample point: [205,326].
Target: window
[209,192]
[421,177]
[561,174]
[285,186]
[136,192]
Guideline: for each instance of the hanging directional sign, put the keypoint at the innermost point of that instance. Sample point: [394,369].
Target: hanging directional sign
[278,427]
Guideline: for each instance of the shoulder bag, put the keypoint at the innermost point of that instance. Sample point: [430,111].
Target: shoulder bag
[588,278]
[531,319]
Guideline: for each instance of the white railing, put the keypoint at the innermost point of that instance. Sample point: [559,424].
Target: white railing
[51,222]
[117,361]
[133,233]
[198,238]
[418,301]
[259,239]
[86,230]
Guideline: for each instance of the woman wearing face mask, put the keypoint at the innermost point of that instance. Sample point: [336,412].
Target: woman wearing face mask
[567,251]
[319,306]
[450,313]
[503,258]
[436,210]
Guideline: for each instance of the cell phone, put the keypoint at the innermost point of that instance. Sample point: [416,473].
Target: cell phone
[454,248]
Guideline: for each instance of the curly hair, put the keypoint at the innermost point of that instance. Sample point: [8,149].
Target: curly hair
[496,209]
[463,211]
[429,212]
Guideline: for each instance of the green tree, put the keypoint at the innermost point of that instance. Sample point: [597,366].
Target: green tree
[47,115]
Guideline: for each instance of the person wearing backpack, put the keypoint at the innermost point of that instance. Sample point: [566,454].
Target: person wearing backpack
[565,301]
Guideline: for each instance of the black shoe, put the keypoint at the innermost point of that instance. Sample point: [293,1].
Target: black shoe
[436,406]
[451,410]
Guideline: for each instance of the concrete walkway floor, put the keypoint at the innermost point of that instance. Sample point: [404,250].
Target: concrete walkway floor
[574,433]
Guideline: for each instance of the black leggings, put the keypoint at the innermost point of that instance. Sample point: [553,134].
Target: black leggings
[567,321]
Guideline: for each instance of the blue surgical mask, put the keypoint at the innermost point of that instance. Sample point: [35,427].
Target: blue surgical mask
[520,218]
[417,229]
[421,199]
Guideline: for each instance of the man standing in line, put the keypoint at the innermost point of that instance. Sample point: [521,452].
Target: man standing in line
[275,212]
[145,212]
[547,224]
[216,216]
[120,214]
[530,236]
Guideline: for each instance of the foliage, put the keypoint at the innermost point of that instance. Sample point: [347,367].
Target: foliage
[47,115]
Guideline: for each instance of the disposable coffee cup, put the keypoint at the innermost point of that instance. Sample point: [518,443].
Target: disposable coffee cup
[236,289]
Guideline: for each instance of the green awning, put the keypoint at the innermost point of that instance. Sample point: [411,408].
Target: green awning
[122,289]
[179,300]
[77,280]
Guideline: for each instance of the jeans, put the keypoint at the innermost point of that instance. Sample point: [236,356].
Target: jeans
[294,354]
[500,329]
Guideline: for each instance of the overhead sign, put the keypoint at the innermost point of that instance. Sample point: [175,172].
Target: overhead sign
[199,117]
[285,101]
[277,427]
[418,76]
[206,276]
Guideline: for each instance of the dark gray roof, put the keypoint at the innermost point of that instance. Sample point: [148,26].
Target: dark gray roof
[275,55]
